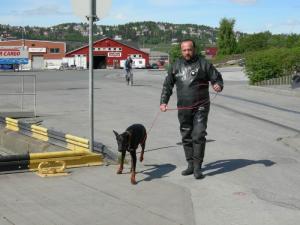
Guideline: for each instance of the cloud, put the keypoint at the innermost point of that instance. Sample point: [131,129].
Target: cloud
[196,2]
[244,2]
[172,2]
[287,27]
[292,22]
[120,16]
[45,10]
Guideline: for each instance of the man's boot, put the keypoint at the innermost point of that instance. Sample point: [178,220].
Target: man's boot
[197,170]
[189,170]
[189,158]
[198,156]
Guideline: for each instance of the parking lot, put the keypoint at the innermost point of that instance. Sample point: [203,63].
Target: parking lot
[251,163]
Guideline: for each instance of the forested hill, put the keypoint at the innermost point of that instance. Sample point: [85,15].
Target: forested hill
[144,33]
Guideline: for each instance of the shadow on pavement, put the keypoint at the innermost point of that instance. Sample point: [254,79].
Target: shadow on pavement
[142,85]
[229,165]
[157,171]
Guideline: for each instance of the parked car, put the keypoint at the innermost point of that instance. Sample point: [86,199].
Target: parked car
[154,66]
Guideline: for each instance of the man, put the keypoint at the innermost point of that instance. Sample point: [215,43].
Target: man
[192,75]
[128,69]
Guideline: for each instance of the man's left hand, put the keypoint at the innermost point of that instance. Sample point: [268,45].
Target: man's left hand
[217,88]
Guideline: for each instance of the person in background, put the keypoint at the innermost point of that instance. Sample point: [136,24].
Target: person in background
[128,70]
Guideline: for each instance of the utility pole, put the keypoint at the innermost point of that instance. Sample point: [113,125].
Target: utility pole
[89,10]
[92,17]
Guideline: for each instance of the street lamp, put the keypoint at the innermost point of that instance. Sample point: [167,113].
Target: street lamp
[92,10]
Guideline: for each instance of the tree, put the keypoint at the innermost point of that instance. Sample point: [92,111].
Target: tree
[256,42]
[226,37]
[175,53]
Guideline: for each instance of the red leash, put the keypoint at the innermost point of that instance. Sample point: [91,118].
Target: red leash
[196,105]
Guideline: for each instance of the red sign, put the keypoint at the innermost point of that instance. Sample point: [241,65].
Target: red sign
[13,52]
[10,52]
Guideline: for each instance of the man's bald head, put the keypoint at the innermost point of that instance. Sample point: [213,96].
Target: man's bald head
[188,49]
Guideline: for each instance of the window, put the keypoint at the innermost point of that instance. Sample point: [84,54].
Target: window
[54,50]
[120,49]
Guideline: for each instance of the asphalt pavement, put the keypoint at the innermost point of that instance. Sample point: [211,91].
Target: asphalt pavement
[252,161]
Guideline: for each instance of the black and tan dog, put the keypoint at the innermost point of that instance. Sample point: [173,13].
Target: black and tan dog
[134,136]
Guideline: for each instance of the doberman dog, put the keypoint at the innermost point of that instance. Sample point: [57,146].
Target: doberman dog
[128,141]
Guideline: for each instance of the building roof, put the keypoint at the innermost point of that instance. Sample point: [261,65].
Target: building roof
[122,43]
[130,44]
[17,40]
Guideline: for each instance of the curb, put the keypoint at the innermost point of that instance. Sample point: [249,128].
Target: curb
[77,155]
[64,140]
[32,161]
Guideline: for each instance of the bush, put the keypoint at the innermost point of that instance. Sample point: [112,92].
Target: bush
[271,63]
[175,53]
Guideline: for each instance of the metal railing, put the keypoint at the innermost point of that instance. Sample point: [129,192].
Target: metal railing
[22,93]
[285,80]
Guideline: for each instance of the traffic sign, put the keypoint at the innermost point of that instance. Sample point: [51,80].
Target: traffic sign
[82,8]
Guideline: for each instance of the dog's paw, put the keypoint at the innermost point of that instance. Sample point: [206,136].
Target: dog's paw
[133,181]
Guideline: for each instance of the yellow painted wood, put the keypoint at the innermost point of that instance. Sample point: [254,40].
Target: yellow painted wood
[39,133]
[76,143]
[47,155]
[74,147]
[11,124]
[72,161]
[77,139]
[38,128]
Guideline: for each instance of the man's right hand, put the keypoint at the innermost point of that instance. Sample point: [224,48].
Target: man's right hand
[163,107]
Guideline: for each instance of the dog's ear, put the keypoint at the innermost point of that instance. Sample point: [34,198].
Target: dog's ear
[116,133]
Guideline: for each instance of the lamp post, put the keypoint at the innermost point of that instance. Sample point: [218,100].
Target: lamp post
[90,11]
[92,17]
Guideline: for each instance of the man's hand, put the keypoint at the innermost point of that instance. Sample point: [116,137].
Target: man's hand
[217,88]
[163,107]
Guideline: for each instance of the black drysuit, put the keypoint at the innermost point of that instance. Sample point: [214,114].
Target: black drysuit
[192,82]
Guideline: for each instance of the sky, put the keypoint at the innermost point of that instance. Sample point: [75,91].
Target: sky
[252,16]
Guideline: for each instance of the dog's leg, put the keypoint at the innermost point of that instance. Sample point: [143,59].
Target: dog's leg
[143,145]
[120,170]
[133,166]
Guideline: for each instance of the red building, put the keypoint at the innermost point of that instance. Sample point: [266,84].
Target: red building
[109,53]
[41,54]
[211,52]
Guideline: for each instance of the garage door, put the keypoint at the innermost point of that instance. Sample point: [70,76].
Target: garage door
[37,62]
